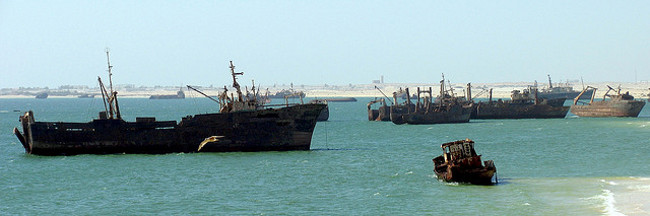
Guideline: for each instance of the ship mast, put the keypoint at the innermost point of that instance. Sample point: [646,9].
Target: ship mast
[234,81]
[113,108]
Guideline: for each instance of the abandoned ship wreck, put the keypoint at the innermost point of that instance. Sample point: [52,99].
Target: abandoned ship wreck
[242,124]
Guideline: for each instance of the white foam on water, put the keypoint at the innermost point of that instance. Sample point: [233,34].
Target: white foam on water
[607,202]
[608,182]
[625,196]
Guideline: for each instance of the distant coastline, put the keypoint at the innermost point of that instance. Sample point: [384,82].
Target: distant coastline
[500,90]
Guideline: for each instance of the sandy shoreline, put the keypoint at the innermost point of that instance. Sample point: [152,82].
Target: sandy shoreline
[479,90]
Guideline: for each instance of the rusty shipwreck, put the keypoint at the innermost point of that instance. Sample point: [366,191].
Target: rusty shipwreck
[242,124]
[446,108]
[382,112]
[522,104]
[179,95]
[618,105]
[460,163]
[565,91]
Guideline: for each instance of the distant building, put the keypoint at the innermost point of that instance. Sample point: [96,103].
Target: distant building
[379,81]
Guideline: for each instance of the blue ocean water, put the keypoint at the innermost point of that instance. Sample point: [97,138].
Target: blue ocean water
[575,166]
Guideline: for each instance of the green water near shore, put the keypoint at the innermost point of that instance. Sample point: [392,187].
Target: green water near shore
[576,166]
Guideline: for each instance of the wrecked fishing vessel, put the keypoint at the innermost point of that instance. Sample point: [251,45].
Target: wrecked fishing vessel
[618,105]
[287,92]
[241,125]
[382,113]
[42,95]
[559,91]
[179,95]
[447,108]
[460,163]
[522,105]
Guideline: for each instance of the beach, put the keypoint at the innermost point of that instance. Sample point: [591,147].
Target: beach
[479,90]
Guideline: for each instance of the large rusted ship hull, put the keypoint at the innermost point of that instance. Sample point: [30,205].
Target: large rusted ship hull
[282,129]
[455,114]
[517,111]
[619,108]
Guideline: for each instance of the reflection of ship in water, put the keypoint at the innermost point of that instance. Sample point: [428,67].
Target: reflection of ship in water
[618,105]
[521,105]
[179,95]
[560,91]
[241,125]
[447,108]
[42,95]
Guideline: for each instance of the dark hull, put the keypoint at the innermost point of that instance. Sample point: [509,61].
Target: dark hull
[455,114]
[517,111]
[324,115]
[380,114]
[467,172]
[281,129]
[620,108]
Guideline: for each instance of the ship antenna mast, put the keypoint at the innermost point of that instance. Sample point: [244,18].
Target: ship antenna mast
[110,74]
[234,81]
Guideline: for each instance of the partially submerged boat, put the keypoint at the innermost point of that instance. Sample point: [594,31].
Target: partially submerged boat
[523,104]
[618,105]
[41,95]
[460,163]
[382,113]
[242,124]
[447,108]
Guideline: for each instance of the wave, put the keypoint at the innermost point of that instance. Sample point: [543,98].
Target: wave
[624,195]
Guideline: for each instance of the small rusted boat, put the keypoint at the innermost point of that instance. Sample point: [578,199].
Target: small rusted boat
[460,163]
[618,105]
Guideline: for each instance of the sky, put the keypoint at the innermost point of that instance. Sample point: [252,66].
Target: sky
[172,43]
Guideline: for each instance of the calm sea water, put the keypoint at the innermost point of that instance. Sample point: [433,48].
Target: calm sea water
[571,166]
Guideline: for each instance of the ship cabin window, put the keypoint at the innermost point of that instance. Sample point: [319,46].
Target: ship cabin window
[456,151]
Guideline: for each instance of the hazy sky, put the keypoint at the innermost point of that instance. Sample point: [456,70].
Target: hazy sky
[53,43]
